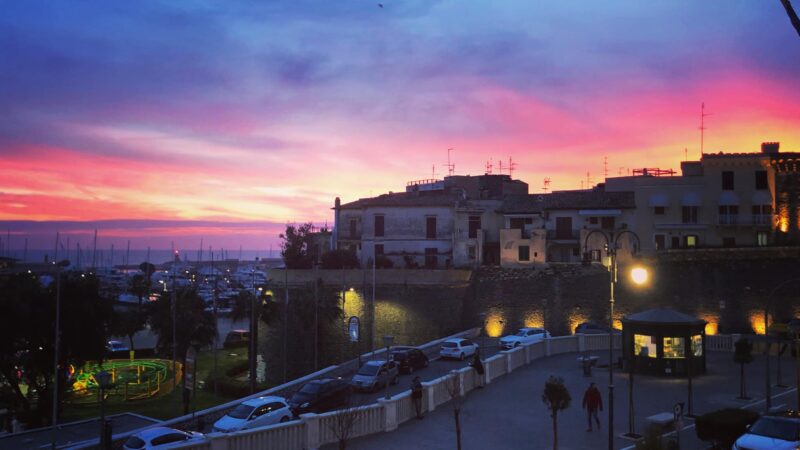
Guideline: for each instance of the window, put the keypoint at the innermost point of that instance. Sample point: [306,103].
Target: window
[728,214]
[644,345]
[379,220]
[607,223]
[563,227]
[430,227]
[674,347]
[762,214]
[378,249]
[697,345]
[689,214]
[690,241]
[729,242]
[431,259]
[471,253]
[676,242]
[595,255]
[593,220]
[524,253]
[576,251]
[474,226]
[353,228]
[660,243]
[762,238]
[659,210]
[727,180]
[168,438]
[761,180]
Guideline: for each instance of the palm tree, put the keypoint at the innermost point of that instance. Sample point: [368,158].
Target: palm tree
[194,325]
[557,398]
[247,306]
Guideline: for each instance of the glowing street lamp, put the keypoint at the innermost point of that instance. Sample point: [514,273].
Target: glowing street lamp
[639,275]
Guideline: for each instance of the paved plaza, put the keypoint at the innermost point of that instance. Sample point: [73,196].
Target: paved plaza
[509,413]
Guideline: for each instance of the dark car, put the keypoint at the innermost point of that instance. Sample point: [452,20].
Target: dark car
[591,328]
[237,338]
[409,359]
[321,395]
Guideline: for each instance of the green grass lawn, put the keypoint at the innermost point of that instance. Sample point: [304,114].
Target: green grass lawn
[170,405]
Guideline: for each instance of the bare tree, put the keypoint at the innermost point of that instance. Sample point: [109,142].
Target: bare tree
[557,398]
[345,419]
[792,15]
[452,384]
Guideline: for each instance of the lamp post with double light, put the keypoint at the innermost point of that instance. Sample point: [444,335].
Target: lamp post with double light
[768,397]
[611,247]
[103,379]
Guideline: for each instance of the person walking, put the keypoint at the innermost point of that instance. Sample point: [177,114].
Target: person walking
[416,396]
[592,401]
[477,364]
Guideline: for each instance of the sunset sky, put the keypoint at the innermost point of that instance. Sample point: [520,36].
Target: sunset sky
[170,121]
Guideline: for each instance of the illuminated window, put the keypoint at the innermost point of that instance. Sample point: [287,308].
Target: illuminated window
[644,345]
[762,238]
[690,240]
[697,345]
[674,347]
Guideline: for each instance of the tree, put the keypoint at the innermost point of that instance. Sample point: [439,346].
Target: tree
[27,308]
[743,354]
[787,5]
[194,325]
[452,384]
[139,286]
[295,246]
[556,397]
[340,259]
[344,421]
[264,311]
[127,322]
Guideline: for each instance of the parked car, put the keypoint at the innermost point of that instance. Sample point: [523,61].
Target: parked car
[457,348]
[774,432]
[523,336]
[409,359]
[160,437]
[117,347]
[591,328]
[237,338]
[374,375]
[254,413]
[320,395]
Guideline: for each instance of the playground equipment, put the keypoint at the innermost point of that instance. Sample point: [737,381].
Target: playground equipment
[131,380]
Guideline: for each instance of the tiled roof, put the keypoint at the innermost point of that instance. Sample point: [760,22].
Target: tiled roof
[522,204]
[589,199]
[405,199]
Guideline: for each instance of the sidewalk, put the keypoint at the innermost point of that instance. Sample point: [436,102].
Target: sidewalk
[509,413]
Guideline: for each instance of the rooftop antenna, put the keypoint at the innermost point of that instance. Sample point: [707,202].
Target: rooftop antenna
[433,174]
[619,171]
[500,166]
[128,254]
[605,166]
[94,251]
[511,166]
[451,167]
[703,115]
[685,154]
[488,167]
[546,186]
[588,180]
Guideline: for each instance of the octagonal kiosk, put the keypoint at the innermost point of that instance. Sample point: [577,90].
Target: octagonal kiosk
[664,342]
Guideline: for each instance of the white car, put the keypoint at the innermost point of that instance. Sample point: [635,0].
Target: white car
[778,432]
[524,336]
[160,437]
[458,348]
[257,412]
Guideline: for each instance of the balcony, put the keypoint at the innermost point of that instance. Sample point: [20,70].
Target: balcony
[740,220]
[563,235]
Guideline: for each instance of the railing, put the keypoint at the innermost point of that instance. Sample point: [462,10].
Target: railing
[744,219]
[516,358]
[495,366]
[570,235]
[563,344]
[721,343]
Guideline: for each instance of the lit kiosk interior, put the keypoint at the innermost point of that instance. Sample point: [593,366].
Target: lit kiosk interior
[664,342]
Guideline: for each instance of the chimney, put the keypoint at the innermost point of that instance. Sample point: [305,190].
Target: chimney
[337,206]
[770,148]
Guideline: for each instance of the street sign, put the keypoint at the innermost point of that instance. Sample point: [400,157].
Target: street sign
[191,357]
[354,328]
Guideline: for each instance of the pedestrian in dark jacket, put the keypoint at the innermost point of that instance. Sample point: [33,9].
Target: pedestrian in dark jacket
[416,396]
[477,364]
[592,402]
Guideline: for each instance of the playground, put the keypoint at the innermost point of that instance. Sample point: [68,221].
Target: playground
[131,380]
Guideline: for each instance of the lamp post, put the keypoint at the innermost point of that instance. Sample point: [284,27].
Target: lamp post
[104,381]
[611,248]
[768,402]
[387,341]
[59,266]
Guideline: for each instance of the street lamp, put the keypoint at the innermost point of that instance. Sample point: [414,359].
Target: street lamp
[387,341]
[104,382]
[59,266]
[611,247]
[768,402]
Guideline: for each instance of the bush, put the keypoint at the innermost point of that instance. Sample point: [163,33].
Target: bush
[723,427]
[340,259]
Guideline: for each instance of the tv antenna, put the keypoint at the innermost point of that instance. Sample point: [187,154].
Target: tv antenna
[500,166]
[511,166]
[546,185]
[703,115]
[605,166]
[451,167]
[488,167]
[433,171]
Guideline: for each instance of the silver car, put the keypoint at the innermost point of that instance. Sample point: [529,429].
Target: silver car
[374,375]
